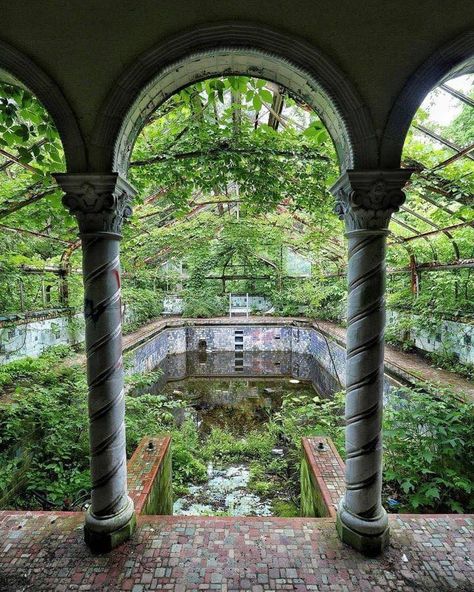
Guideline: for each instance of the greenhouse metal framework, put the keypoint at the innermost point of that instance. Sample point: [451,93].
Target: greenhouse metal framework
[98,130]
[438,192]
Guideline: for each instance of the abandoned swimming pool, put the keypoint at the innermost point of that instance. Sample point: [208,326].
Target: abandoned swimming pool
[232,405]
[232,381]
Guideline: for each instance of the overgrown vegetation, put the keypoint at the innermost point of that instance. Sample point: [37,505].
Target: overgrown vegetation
[44,440]
[233,178]
[429,450]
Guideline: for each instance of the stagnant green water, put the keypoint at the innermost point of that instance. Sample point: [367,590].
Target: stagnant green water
[238,406]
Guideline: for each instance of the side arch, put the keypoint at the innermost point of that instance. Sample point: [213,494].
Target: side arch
[454,59]
[20,68]
[233,49]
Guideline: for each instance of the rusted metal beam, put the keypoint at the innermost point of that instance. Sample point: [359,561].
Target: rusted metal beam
[226,149]
[423,267]
[439,228]
[57,270]
[16,160]
[38,234]
[448,161]
[433,232]
[442,207]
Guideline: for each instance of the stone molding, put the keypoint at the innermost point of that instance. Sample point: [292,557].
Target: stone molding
[100,202]
[239,48]
[365,200]
[452,59]
[29,74]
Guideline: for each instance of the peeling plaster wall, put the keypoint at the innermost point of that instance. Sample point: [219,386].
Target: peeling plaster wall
[31,338]
[298,348]
[444,337]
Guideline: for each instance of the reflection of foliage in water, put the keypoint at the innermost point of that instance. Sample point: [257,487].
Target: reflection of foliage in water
[235,405]
[242,421]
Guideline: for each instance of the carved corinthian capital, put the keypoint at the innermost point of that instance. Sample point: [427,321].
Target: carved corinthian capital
[100,202]
[366,199]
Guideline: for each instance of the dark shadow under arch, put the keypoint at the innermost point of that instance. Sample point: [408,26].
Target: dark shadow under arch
[453,59]
[23,69]
[240,49]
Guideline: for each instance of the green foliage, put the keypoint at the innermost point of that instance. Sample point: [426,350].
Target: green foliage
[225,446]
[429,449]
[44,436]
[27,129]
[203,304]
[44,439]
[207,133]
[145,305]
[308,414]
[285,509]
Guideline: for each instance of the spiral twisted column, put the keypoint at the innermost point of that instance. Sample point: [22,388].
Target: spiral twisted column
[366,200]
[100,203]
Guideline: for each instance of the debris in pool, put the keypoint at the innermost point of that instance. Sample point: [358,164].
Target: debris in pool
[224,492]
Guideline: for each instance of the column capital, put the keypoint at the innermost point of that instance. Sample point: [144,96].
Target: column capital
[99,201]
[366,199]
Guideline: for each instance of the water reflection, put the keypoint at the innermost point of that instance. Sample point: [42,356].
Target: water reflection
[237,392]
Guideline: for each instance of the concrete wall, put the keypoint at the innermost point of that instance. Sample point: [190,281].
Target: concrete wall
[444,337]
[303,344]
[32,337]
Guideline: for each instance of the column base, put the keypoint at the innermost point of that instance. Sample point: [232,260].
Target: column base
[103,535]
[370,543]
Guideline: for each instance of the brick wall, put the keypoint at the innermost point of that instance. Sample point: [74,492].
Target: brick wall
[322,477]
[149,476]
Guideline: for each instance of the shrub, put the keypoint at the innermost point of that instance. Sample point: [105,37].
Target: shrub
[203,304]
[144,305]
[429,449]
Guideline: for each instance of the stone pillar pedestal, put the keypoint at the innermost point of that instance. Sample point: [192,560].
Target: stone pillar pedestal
[366,200]
[100,203]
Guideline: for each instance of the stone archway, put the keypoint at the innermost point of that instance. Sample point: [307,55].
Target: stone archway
[21,69]
[453,59]
[367,196]
[233,49]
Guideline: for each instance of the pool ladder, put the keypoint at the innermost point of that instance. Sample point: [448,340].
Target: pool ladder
[239,350]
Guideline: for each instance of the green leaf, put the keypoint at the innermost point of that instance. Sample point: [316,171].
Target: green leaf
[257,103]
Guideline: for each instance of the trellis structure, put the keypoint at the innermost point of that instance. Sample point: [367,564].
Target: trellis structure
[366,199]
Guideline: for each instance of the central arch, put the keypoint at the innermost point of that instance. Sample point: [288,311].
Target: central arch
[233,49]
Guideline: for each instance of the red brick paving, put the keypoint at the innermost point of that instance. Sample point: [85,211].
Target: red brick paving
[43,552]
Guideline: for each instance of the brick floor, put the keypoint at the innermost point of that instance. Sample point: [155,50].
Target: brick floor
[44,552]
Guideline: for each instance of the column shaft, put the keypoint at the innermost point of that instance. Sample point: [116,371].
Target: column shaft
[100,203]
[102,313]
[366,200]
[365,375]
